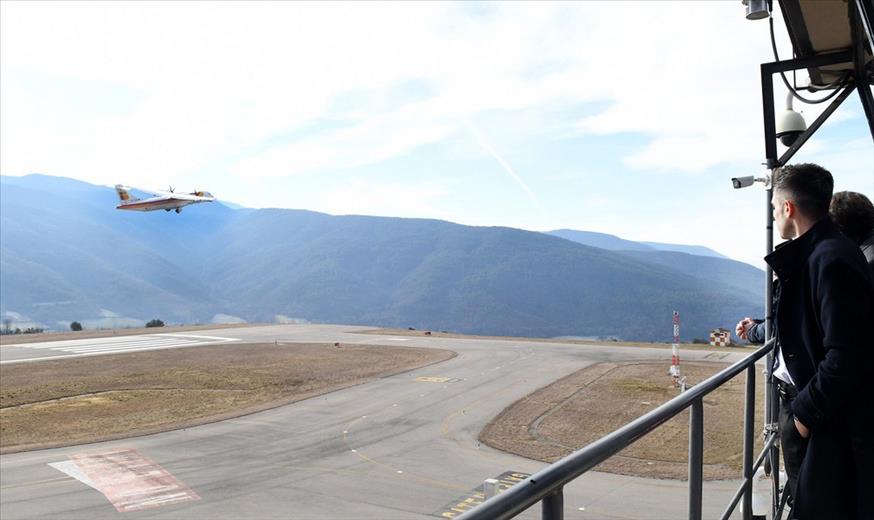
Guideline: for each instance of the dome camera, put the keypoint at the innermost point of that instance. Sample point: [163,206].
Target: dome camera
[790,125]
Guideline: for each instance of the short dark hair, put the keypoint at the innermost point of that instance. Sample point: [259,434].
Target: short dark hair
[809,186]
[854,214]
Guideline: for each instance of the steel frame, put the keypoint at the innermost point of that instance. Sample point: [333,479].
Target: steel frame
[860,23]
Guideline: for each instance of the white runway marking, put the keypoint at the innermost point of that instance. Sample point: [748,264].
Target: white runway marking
[114,345]
[70,468]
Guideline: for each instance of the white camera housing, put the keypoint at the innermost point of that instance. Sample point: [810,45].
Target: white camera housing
[790,125]
[749,180]
[742,182]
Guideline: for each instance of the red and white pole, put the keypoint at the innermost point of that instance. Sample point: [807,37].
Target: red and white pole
[675,352]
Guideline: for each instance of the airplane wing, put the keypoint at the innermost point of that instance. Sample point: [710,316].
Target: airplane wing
[187,196]
[172,195]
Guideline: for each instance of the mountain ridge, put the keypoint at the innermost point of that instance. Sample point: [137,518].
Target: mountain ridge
[256,264]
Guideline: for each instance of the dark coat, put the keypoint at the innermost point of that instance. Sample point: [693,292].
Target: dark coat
[825,326]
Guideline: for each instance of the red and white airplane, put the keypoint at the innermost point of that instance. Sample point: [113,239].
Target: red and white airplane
[166,200]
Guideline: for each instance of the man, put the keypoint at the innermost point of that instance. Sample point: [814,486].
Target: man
[824,312]
[854,215]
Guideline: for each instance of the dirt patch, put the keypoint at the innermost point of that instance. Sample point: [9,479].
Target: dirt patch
[19,339]
[80,400]
[598,343]
[583,407]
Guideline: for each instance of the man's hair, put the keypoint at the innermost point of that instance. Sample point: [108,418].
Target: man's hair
[854,214]
[809,186]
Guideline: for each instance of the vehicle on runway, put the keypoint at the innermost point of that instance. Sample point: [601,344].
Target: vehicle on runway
[166,200]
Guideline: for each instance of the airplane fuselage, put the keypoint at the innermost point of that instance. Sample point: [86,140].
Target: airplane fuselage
[168,201]
[156,204]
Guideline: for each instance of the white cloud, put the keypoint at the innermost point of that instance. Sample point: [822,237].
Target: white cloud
[219,79]
[193,91]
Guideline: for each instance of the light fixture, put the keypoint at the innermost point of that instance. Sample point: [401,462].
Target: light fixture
[756,9]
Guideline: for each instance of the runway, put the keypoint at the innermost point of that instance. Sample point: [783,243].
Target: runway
[400,447]
[27,352]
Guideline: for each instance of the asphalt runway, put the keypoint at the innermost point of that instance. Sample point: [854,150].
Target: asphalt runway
[400,447]
[28,352]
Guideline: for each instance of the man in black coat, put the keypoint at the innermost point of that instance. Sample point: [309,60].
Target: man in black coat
[824,319]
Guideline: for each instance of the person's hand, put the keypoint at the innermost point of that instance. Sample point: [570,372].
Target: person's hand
[804,431]
[743,327]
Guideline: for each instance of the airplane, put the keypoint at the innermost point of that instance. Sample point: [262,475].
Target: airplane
[166,200]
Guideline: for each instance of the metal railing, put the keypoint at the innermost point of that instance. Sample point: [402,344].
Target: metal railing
[546,486]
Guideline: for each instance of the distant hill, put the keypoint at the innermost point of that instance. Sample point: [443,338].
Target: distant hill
[66,254]
[681,248]
[697,261]
[614,243]
[601,240]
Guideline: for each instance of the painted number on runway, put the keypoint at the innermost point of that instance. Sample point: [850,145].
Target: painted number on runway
[129,480]
[475,496]
[428,379]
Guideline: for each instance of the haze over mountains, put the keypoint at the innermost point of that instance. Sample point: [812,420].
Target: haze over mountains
[67,254]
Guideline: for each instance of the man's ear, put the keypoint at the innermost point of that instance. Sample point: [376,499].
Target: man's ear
[789,208]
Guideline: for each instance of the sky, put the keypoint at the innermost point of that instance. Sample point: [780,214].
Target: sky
[628,118]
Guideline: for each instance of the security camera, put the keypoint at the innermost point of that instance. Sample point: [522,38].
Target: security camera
[749,180]
[742,182]
[790,125]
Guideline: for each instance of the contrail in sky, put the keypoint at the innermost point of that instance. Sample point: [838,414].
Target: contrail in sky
[509,169]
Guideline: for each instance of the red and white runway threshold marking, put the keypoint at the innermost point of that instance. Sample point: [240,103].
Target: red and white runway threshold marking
[129,480]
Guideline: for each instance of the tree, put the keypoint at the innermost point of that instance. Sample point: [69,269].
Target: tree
[155,323]
[76,326]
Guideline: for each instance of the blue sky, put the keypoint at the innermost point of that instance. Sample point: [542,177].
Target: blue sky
[624,118]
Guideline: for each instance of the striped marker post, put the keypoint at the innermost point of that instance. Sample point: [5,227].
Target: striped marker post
[675,352]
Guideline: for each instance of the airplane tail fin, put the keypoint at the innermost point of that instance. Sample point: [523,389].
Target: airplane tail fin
[124,193]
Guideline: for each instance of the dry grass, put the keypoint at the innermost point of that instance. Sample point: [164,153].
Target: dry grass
[79,400]
[585,406]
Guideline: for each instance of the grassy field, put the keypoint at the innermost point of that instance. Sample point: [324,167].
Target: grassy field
[583,407]
[80,400]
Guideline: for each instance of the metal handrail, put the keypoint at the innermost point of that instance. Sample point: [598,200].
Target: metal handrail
[769,443]
[547,484]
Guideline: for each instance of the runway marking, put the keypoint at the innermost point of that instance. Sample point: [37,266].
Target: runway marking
[100,346]
[70,468]
[429,379]
[129,480]
[476,496]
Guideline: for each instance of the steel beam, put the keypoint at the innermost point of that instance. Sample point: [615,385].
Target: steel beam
[552,506]
[696,458]
[818,123]
[749,421]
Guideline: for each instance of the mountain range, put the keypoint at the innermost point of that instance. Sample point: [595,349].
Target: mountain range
[67,254]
